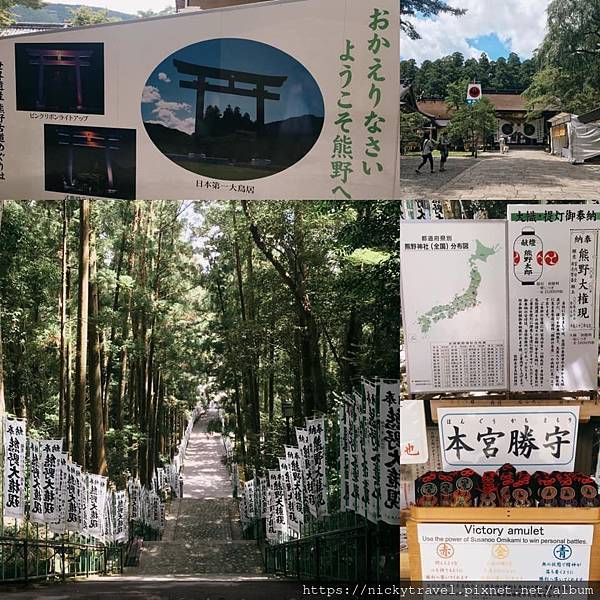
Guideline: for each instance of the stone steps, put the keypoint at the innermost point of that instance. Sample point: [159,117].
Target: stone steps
[200,557]
[201,537]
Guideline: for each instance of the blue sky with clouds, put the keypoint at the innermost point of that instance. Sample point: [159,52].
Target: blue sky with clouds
[496,27]
[167,103]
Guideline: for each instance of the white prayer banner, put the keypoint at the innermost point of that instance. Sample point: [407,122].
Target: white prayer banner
[97,485]
[276,484]
[372,451]
[316,432]
[294,462]
[305,447]
[389,410]
[36,506]
[288,494]
[14,467]
[51,451]
[249,498]
[121,523]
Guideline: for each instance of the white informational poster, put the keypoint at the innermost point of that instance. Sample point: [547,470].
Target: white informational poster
[290,99]
[530,438]
[413,433]
[553,297]
[453,282]
[504,551]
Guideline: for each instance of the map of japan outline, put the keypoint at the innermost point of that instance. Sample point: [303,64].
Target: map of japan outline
[461,301]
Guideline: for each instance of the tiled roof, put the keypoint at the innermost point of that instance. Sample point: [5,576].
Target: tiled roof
[436,107]
[23,28]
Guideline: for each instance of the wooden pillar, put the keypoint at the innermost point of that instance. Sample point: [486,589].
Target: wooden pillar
[200,105]
[260,106]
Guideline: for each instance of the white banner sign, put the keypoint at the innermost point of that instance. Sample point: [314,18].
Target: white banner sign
[553,297]
[14,467]
[316,435]
[217,104]
[389,394]
[294,462]
[288,494]
[276,486]
[504,551]
[453,283]
[36,506]
[531,438]
[413,433]
[51,451]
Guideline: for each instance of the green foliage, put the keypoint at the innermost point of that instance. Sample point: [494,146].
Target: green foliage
[471,123]
[6,6]
[121,448]
[433,78]
[214,426]
[412,127]
[569,58]
[84,15]
[52,12]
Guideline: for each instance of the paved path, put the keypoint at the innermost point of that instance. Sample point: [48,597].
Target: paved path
[204,474]
[203,532]
[521,174]
[166,588]
[421,186]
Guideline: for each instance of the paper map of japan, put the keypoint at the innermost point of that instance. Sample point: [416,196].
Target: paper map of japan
[464,300]
[453,284]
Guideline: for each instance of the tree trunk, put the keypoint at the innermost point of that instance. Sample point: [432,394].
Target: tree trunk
[82,335]
[63,366]
[116,417]
[95,371]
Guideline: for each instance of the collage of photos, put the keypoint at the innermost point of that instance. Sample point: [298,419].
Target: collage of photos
[500,285]
[199,305]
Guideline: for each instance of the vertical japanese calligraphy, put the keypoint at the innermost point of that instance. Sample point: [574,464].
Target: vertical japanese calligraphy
[315,121]
[14,467]
[553,291]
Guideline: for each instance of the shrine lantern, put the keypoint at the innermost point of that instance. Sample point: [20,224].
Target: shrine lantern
[528,253]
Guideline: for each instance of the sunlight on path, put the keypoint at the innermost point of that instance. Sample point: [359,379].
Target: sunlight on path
[204,475]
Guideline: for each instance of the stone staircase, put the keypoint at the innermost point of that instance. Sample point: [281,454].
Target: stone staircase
[201,537]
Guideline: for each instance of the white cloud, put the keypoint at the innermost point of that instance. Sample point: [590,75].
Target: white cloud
[164,105]
[169,119]
[150,94]
[519,24]
[164,77]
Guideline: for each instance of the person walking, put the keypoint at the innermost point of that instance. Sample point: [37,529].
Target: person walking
[426,154]
[444,151]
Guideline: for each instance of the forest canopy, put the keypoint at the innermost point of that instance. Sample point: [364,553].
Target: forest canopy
[119,316]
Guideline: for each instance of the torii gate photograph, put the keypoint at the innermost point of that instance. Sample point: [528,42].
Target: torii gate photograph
[66,78]
[233,109]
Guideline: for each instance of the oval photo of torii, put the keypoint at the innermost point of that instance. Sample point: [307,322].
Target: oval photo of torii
[233,109]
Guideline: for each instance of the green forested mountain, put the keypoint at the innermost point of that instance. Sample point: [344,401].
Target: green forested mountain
[55,13]
[432,77]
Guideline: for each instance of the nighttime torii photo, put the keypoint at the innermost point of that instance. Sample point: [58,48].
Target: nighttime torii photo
[60,77]
[233,109]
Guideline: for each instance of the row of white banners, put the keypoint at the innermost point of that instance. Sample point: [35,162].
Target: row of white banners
[57,493]
[497,305]
[369,467]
